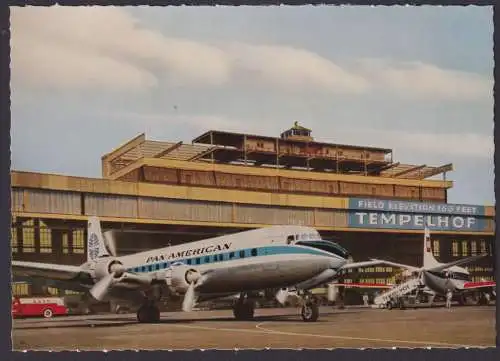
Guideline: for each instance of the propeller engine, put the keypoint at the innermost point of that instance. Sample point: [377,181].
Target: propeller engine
[185,279]
[107,272]
[110,271]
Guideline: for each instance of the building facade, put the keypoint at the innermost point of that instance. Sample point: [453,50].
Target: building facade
[158,193]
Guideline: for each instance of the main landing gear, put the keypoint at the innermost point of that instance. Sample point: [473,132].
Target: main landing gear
[148,313]
[244,309]
[310,309]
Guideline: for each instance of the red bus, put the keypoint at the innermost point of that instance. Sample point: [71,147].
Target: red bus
[38,306]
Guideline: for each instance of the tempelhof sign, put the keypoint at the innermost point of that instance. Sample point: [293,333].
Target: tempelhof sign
[388,214]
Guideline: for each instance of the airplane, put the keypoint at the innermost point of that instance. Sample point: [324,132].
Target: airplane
[273,258]
[436,278]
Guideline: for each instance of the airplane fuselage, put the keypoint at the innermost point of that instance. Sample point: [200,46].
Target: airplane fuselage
[254,260]
[441,282]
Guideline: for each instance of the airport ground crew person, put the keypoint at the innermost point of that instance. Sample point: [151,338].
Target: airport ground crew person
[365,299]
[448,299]
[487,297]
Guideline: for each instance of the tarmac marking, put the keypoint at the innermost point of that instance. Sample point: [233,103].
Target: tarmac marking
[261,330]
[426,343]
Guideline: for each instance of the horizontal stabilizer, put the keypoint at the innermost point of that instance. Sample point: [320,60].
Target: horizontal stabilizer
[444,266]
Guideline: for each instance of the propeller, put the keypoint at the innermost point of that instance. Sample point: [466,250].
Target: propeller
[109,239]
[101,288]
[282,295]
[190,296]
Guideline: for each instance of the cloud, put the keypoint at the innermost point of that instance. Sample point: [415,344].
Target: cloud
[293,69]
[107,43]
[80,46]
[452,144]
[106,48]
[49,65]
[412,145]
[417,80]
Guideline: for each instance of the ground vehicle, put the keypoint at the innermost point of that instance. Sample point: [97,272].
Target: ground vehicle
[38,306]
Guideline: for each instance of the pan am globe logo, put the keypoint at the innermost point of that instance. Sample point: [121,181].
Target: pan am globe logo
[93,246]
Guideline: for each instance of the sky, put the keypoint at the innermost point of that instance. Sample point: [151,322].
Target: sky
[418,80]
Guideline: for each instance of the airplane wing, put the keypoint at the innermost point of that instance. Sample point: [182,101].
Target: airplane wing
[455,263]
[46,270]
[363,285]
[436,269]
[373,262]
[400,265]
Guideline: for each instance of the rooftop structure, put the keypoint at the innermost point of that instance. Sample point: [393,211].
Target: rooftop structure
[295,149]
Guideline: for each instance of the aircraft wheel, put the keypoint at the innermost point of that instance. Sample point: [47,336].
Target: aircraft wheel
[148,314]
[244,311]
[310,312]
[155,314]
[47,313]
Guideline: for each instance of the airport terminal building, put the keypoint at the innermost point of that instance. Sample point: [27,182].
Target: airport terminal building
[156,193]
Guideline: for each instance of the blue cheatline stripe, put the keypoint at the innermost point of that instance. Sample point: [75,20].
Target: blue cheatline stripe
[231,256]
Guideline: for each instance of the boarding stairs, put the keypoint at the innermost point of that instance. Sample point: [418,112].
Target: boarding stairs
[397,291]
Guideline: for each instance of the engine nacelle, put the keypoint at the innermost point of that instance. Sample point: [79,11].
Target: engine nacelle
[104,266]
[181,276]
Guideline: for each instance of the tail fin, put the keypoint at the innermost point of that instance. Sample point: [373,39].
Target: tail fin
[95,241]
[429,260]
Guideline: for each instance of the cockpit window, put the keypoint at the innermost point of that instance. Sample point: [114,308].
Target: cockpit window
[327,246]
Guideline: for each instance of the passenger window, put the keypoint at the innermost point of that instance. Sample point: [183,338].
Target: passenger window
[143,268]
[188,261]
[157,266]
[221,257]
[242,254]
[231,255]
[197,261]
[254,252]
[150,268]
[215,258]
[165,265]
[207,259]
